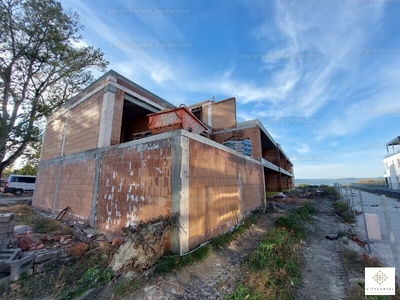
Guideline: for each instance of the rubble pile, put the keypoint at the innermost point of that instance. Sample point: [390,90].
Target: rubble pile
[144,245]
[22,250]
[29,257]
[309,192]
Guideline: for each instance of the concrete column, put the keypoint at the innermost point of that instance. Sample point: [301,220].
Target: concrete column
[180,194]
[106,118]
[93,211]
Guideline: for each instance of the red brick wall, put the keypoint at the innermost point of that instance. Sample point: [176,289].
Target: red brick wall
[134,186]
[224,114]
[83,125]
[273,181]
[271,155]
[222,187]
[45,187]
[253,134]
[53,138]
[75,188]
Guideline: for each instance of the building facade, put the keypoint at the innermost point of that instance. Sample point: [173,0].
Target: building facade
[392,164]
[112,167]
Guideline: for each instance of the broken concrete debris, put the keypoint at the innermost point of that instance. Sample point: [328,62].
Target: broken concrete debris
[144,245]
[7,224]
[24,251]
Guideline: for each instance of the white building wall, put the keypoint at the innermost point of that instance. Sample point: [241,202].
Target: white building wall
[392,167]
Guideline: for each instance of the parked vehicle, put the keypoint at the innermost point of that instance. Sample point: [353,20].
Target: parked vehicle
[18,184]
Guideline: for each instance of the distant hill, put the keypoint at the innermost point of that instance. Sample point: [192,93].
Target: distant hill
[330,181]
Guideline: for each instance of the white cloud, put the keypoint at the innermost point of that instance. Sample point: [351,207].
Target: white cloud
[304,148]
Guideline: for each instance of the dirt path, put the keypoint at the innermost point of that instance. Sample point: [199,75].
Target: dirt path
[213,278]
[324,276]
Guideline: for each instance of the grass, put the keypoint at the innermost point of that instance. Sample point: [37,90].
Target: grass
[170,263]
[225,239]
[66,280]
[275,266]
[354,261]
[331,191]
[343,233]
[126,287]
[343,210]
[293,221]
[271,194]
[25,216]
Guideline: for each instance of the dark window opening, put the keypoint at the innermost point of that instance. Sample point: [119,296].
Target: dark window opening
[135,123]
[197,112]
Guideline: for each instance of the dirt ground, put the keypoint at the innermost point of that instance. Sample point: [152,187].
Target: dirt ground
[218,275]
[323,276]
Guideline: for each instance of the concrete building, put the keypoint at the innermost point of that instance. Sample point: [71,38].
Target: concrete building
[392,164]
[107,160]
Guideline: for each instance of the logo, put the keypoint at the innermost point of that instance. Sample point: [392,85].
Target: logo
[380,281]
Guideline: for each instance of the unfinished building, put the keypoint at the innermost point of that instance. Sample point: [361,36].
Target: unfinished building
[116,154]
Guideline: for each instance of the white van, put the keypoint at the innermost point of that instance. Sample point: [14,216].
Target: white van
[18,184]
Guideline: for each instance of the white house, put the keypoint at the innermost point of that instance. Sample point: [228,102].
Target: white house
[392,164]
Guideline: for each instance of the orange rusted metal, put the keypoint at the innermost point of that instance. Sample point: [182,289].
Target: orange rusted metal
[173,119]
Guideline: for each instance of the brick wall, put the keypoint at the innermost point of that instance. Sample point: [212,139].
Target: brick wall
[75,188]
[45,187]
[134,185]
[271,155]
[222,187]
[83,125]
[253,134]
[273,181]
[53,138]
[224,114]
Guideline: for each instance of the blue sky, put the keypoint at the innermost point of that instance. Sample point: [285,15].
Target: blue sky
[322,76]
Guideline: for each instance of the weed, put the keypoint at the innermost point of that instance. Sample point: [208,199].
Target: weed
[95,276]
[275,264]
[241,293]
[357,292]
[225,239]
[343,233]
[168,264]
[125,287]
[342,208]
[293,220]
[351,256]
[24,215]
[370,262]
[331,191]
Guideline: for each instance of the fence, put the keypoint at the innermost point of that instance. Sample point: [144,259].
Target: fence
[349,193]
[377,189]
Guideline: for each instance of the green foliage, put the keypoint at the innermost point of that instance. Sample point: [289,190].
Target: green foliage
[94,277]
[293,221]
[343,210]
[242,293]
[125,287]
[225,239]
[39,72]
[275,265]
[168,264]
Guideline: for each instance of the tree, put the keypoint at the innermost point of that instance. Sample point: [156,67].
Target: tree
[30,159]
[42,65]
